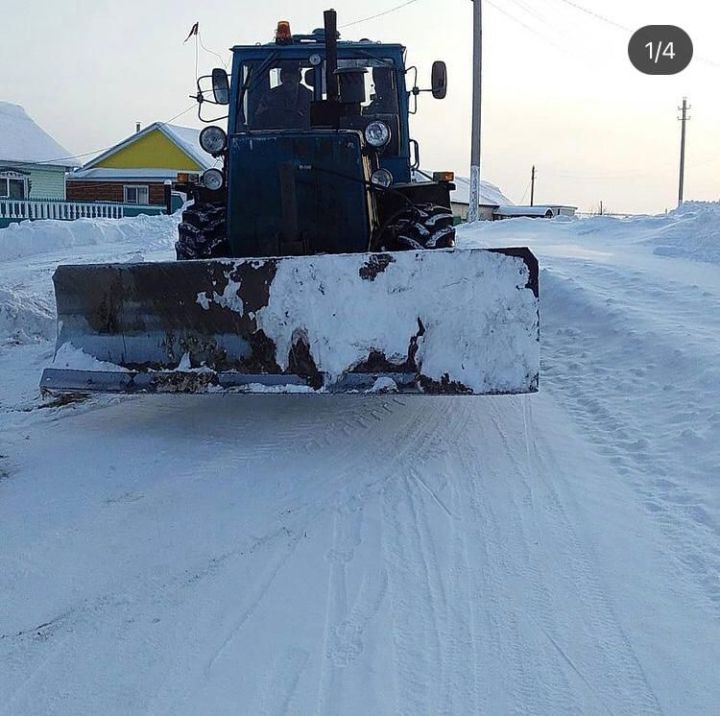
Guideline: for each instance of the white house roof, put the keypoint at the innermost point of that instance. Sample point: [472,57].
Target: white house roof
[187,138]
[115,174]
[523,210]
[490,195]
[23,141]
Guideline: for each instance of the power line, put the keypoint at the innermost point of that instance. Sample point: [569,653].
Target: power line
[530,11]
[625,28]
[202,44]
[596,15]
[525,192]
[544,37]
[380,14]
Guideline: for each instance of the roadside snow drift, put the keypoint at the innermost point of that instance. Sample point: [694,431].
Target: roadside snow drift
[30,238]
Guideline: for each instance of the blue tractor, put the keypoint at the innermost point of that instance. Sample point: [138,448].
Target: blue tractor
[310,259]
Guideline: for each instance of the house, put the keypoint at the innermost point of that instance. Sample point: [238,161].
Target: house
[32,163]
[135,170]
[494,205]
[490,199]
[490,196]
[541,211]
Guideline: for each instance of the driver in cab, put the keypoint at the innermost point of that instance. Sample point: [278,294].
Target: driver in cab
[286,106]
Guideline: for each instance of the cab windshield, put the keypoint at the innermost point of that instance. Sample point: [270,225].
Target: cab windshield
[276,94]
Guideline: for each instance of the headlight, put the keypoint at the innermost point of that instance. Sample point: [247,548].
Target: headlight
[377,134]
[213,139]
[213,179]
[382,177]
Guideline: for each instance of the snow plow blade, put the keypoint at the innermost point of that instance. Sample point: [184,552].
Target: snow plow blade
[456,321]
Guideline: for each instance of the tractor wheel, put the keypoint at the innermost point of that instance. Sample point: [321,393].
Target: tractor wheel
[202,234]
[423,226]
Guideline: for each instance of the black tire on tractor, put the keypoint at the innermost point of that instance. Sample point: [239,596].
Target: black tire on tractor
[202,234]
[422,226]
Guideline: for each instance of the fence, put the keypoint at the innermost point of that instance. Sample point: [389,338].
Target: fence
[14,210]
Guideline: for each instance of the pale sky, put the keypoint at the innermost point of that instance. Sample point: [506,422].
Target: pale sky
[559,91]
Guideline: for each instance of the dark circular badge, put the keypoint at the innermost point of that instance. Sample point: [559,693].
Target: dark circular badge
[660,49]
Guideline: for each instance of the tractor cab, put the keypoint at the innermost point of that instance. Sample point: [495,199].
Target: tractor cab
[282,86]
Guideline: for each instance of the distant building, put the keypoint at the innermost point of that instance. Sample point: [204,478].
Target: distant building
[134,171]
[544,211]
[32,163]
[490,196]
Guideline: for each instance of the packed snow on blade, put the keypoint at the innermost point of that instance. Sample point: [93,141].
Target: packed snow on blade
[444,321]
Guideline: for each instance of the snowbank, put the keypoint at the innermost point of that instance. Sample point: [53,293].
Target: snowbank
[29,238]
[690,232]
[25,318]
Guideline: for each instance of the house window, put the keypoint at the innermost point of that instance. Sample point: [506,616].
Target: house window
[137,194]
[13,186]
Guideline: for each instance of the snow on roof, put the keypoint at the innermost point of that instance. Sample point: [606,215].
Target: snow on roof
[523,210]
[21,140]
[186,138]
[117,174]
[189,140]
[490,195]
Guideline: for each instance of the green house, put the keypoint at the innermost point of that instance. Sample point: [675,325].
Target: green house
[32,163]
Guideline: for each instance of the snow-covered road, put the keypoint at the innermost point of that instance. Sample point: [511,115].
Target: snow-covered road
[551,554]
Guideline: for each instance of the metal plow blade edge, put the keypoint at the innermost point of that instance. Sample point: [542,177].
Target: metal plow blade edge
[460,321]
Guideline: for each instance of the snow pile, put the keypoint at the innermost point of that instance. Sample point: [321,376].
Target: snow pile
[38,237]
[67,356]
[25,318]
[692,232]
[21,140]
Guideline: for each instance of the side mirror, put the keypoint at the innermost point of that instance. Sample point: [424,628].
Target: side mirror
[439,79]
[221,86]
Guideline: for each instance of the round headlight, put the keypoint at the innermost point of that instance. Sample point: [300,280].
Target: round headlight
[212,140]
[213,179]
[382,177]
[377,134]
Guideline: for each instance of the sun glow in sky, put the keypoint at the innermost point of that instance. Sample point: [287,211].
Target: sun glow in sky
[559,91]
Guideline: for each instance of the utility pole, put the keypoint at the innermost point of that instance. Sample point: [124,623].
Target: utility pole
[476,112]
[684,119]
[532,187]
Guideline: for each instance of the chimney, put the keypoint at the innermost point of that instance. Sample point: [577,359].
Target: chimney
[137,127]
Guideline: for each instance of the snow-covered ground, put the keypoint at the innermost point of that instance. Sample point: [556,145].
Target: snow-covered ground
[552,554]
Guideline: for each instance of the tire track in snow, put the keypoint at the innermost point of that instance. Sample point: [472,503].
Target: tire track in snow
[333,492]
[622,667]
[419,609]
[167,487]
[645,448]
[282,682]
[531,565]
[417,439]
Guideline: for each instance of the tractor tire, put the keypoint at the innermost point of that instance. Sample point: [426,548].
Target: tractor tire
[202,233]
[423,226]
